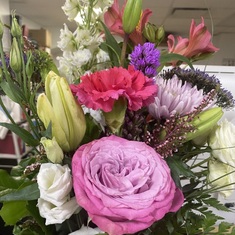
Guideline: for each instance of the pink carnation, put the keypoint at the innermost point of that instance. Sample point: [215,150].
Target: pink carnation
[101,89]
[125,186]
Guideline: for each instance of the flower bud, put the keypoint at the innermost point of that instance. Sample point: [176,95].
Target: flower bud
[149,32]
[204,122]
[154,34]
[1,29]
[115,118]
[59,107]
[160,34]
[15,58]
[53,151]
[131,15]
[15,28]
[29,65]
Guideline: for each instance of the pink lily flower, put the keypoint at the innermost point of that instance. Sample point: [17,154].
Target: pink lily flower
[198,44]
[199,40]
[113,20]
[179,47]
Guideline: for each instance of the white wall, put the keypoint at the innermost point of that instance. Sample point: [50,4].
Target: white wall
[226,54]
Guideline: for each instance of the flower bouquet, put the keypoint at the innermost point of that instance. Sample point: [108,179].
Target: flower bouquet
[126,138]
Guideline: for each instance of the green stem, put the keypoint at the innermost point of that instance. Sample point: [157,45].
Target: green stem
[124,47]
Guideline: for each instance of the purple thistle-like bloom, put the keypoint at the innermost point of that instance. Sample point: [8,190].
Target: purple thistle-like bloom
[146,59]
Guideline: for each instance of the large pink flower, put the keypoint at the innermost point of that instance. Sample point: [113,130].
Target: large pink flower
[101,89]
[125,186]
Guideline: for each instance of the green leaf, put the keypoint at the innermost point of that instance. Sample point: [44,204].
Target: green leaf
[7,181]
[26,192]
[12,91]
[216,204]
[112,46]
[178,168]
[14,211]
[25,135]
[93,130]
[167,58]
[224,227]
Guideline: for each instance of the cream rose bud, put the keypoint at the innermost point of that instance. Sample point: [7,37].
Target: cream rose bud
[53,150]
[222,142]
[55,183]
[57,214]
[220,175]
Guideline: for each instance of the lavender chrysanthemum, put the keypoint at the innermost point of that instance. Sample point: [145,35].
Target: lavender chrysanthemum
[206,82]
[146,59]
[174,97]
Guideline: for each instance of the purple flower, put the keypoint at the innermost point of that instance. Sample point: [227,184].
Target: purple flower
[146,58]
[175,97]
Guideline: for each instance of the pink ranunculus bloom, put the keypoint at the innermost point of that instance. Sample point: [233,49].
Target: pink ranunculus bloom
[101,89]
[125,186]
[198,43]
[113,20]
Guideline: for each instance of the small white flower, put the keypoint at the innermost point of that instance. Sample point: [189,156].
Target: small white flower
[102,56]
[81,57]
[65,68]
[54,183]
[85,39]
[97,115]
[67,40]
[57,214]
[86,231]
[222,142]
[71,8]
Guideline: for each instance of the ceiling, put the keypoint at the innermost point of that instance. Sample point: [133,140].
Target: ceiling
[175,15]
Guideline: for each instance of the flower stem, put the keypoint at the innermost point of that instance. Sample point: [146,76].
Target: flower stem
[124,47]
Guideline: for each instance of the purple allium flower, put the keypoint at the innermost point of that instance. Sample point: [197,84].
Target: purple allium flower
[174,97]
[146,58]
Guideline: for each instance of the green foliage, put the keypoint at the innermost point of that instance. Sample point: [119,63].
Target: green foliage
[25,135]
[167,58]
[178,169]
[13,211]
[111,46]
[16,188]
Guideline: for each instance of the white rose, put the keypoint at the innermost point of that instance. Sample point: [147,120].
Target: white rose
[220,175]
[222,142]
[55,183]
[57,214]
[86,231]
